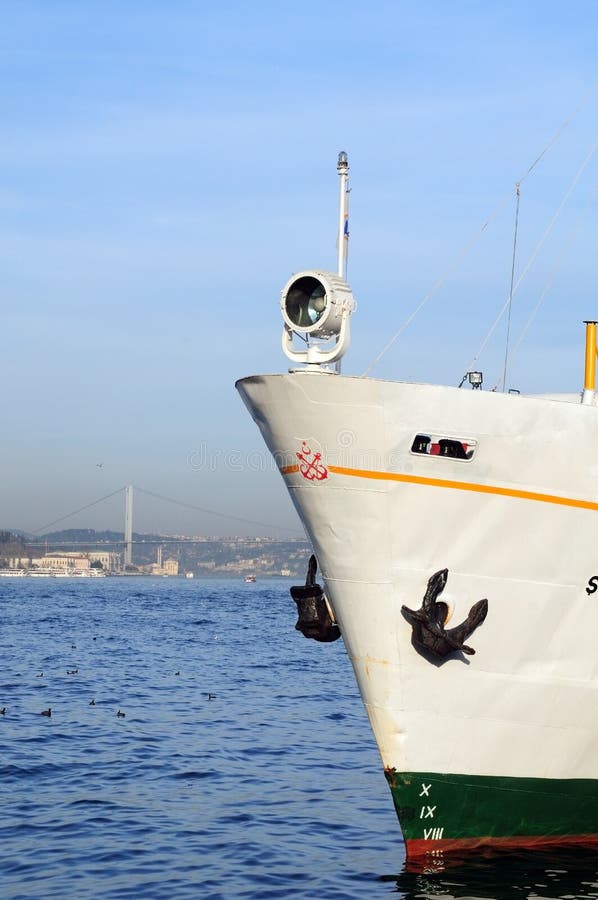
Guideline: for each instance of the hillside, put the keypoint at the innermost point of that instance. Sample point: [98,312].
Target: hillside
[202,555]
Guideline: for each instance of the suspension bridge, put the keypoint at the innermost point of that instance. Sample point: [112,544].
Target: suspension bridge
[128,534]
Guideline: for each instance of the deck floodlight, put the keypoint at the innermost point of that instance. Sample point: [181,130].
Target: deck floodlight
[475,379]
[316,305]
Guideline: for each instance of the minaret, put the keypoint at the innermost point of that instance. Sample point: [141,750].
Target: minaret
[128,524]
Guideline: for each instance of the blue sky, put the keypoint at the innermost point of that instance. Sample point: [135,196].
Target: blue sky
[165,167]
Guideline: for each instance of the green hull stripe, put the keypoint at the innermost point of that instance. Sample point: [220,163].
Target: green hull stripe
[436,807]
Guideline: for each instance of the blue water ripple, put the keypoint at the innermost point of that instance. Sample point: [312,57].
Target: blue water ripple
[272,789]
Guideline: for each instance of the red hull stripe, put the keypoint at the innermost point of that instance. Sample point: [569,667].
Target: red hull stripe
[418,847]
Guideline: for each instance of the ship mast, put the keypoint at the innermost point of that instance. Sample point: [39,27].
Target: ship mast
[342,168]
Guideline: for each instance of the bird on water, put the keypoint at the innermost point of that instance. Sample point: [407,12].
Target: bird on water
[47,712]
[120,715]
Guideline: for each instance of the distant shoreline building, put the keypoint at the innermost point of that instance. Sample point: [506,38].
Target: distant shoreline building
[168,567]
[73,561]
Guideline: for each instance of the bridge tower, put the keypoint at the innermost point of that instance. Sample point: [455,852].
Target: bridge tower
[128,525]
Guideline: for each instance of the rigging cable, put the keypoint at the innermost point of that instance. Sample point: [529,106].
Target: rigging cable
[518,193]
[454,262]
[462,253]
[571,240]
[535,252]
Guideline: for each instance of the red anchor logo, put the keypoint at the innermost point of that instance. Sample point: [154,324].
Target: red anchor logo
[310,463]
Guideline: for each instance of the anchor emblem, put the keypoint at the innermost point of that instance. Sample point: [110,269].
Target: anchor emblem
[310,463]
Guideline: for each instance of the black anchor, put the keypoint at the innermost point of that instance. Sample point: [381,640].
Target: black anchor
[429,620]
[314,619]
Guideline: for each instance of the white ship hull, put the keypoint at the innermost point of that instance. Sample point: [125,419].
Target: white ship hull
[517,524]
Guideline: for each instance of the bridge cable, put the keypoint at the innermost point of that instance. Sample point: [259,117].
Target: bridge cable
[74,513]
[213,512]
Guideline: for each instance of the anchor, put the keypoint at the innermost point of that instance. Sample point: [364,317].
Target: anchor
[429,620]
[315,620]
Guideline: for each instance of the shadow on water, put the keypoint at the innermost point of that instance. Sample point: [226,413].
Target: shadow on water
[570,874]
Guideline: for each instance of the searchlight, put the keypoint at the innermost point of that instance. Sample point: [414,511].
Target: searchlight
[316,306]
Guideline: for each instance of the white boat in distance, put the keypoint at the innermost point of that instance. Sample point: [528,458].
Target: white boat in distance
[42,572]
[457,543]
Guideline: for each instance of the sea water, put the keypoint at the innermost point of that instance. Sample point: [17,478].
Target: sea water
[244,765]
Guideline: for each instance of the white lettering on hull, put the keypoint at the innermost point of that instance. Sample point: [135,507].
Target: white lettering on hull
[427,812]
[433,834]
